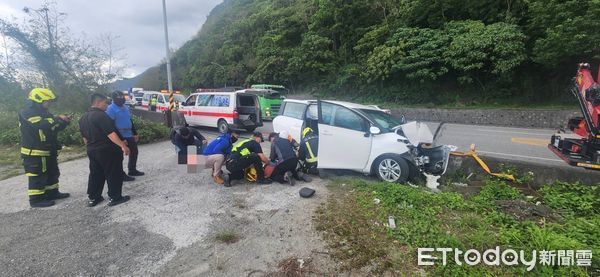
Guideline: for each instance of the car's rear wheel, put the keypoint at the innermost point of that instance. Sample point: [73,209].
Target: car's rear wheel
[392,169]
[223,126]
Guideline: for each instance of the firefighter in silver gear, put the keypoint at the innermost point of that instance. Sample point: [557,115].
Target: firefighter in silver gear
[40,146]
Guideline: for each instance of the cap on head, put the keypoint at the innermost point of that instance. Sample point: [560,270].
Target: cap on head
[39,95]
[184,131]
[258,134]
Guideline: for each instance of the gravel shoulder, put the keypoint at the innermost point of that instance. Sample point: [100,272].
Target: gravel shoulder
[170,227]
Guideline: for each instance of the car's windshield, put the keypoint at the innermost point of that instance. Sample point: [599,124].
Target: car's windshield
[383,119]
[179,98]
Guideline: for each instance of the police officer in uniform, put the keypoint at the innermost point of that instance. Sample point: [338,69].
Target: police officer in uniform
[247,153]
[40,146]
[105,149]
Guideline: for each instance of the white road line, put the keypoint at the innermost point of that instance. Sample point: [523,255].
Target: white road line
[520,156]
[510,132]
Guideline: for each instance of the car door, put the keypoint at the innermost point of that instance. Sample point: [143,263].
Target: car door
[200,112]
[291,119]
[188,108]
[343,139]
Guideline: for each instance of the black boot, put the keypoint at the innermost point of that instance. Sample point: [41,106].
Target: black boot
[55,194]
[128,178]
[40,201]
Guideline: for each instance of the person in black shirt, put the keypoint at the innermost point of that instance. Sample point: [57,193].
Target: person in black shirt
[247,153]
[184,137]
[284,158]
[105,149]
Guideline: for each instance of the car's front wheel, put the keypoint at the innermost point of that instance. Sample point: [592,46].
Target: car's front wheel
[222,126]
[391,168]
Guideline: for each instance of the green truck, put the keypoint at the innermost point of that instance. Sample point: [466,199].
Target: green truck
[270,98]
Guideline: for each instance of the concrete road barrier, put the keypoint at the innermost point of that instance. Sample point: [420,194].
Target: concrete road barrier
[157,117]
[525,118]
[543,174]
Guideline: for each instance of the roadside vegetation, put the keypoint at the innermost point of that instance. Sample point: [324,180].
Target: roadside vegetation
[560,216]
[418,52]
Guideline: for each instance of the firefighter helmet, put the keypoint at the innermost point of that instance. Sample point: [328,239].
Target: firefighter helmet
[39,95]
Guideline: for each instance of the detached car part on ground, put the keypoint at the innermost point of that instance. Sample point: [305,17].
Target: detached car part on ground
[364,138]
[582,147]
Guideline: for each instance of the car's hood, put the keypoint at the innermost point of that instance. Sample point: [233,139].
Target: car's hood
[416,132]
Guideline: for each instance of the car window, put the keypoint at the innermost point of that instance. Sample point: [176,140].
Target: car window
[294,110]
[161,99]
[177,98]
[191,101]
[219,101]
[312,112]
[246,101]
[146,97]
[347,119]
[203,100]
[384,120]
[327,113]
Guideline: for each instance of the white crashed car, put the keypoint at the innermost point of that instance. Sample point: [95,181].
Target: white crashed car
[365,139]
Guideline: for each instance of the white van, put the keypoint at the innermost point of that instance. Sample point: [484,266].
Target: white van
[364,138]
[225,110]
[162,103]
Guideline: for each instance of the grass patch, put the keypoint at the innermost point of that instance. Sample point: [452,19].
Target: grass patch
[227,237]
[355,225]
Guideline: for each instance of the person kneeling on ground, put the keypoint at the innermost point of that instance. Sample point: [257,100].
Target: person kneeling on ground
[284,158]
[184,137]
[216,151]
[309,147]
[247,153]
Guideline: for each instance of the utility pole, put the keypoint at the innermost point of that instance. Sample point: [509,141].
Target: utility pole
[224,72]
[170,84]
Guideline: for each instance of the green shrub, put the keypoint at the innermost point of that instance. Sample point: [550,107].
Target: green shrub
[10,134]
[576,198]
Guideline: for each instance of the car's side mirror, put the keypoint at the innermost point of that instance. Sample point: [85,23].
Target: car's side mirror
[374,130]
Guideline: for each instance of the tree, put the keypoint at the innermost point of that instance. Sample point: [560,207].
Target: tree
[51,56]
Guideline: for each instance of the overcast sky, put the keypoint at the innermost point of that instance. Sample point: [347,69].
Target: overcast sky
[138,23]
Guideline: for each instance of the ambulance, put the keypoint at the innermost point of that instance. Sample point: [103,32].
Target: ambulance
[162,103]
[237,110]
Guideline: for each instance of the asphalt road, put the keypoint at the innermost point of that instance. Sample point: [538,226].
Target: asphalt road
[508,143]
[519,144]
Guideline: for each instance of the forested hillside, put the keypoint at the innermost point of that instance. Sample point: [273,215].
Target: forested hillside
[407,51]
